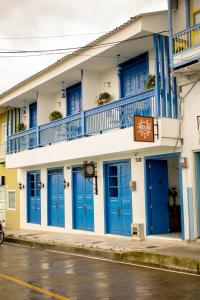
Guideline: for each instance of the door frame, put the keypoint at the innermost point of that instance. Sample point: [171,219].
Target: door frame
[157,157]
[72,197]
[27,196]
[47,194]
[105,163]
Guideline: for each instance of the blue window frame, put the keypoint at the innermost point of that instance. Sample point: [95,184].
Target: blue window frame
[73,95]
[133,75]
[33,115]
[33,198]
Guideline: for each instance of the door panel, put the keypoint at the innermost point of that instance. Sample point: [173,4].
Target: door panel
[83,201]
[33,115]
[74,99]
[134,75]
[33,198]
[56,215]
[118,198]
[158,197]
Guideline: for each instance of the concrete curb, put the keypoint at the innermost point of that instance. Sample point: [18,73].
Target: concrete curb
[170,262]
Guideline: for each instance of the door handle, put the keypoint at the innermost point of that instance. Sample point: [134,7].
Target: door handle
[85,209]
[118,212]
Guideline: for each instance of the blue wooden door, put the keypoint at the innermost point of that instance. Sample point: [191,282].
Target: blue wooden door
[134,76]
[33,198]
[74,99]
[157,184]
[33,115]
[56,215]
[118,198]
[83,201]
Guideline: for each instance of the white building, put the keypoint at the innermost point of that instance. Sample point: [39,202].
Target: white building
[133,179]
[184,25]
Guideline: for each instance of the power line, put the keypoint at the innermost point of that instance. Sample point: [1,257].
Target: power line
[51,36]
[89,46]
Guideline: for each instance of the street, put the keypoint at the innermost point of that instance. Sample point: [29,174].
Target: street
[29,273]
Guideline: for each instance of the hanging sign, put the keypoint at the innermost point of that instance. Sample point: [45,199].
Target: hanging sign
[143,129]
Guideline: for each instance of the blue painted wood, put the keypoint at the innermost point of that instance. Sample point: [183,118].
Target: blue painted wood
[157,75]
[162,75]
[134,74]
[56,213]
[83,201]
[118,198]
[190,212]
[168,78]
[157,197]
[33,198]
[73,95]
[33,115]
[197,156]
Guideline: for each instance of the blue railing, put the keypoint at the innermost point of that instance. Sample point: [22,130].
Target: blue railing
[186,39]
[64,129]
[22,141]
[118,114]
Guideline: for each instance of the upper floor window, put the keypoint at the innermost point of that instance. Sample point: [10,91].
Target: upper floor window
[73,95]
[133,76]
[33,115]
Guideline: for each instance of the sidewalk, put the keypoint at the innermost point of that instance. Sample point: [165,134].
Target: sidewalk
[163,253]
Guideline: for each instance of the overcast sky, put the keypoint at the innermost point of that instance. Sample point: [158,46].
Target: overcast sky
[46,18]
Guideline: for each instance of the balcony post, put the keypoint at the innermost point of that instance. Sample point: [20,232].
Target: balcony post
[83,129]
[157,76]
[38,136]
[119,71]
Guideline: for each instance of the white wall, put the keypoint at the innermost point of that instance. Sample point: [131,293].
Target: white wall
[138,196]
[179,17]
[91,89]
[47,103]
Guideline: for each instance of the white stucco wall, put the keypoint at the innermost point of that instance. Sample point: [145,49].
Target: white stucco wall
[138,196]
[179,17]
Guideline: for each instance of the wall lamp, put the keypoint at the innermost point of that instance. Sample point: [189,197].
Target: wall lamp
[41,185]
[21,186]
[65,184]
[63,92]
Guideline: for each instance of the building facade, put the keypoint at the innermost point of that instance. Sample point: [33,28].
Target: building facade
[9,192]
[184,27]
[134,183]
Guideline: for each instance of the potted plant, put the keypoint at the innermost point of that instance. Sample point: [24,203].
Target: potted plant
[21,127]
[150,83]
[55,115]
[103,98]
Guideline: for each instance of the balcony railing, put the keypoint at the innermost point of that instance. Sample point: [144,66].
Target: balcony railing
[118,114]
[186,39]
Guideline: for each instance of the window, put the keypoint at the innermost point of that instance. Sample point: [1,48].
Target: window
[11,200]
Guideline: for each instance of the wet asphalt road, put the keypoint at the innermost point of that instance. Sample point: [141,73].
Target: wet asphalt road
[84,278]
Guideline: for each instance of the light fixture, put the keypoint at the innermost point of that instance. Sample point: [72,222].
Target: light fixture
[65,184]
[21,186]
[183,162]
[63,93]
[24,109]
[41,185]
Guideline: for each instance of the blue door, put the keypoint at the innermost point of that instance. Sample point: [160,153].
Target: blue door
[134,75]
[33,115]
[157,198]
[33,198]
[83,201]
[118,198]
[74,99]
[56,215]
[198,189]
